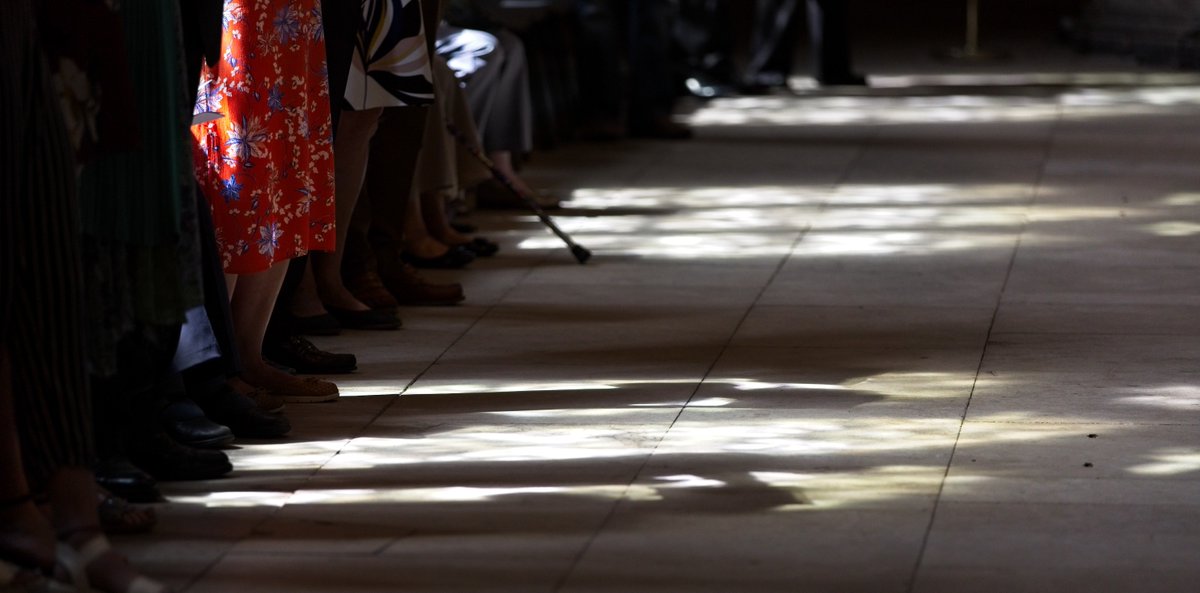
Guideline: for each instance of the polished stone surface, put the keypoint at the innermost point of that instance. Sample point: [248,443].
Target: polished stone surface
[940,335]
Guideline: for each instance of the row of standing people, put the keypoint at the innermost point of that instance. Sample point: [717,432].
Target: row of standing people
[196,185]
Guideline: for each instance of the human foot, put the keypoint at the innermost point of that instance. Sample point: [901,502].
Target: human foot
[93,564]
[26,542]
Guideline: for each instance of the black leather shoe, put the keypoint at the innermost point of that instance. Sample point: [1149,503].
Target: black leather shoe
[316,325]
[482,247]
[305,358]
[121,477]
[185,422]
[167,460]
[242,416]
[454,258]
[368,319]
[843,79]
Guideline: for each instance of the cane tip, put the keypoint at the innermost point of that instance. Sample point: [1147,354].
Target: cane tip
[582,255]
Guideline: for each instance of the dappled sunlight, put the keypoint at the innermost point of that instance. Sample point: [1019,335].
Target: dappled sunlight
[695,198]
[1024,79]
[711,247]
[872,110]
[235,499]
[864,220]
[876,244]
[1170,397]
[1174,228]
[289,456]
[816,491]
[354,388]
[1183,199]
[981,195]
[1170,462]
[961,99]
[751,385]
[514,387]
[459,494]
[931,217]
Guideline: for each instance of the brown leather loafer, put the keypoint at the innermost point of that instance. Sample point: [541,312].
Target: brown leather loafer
[305,358]
[408,288]
[368,288]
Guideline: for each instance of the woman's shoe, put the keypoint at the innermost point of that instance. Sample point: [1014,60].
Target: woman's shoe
[121,477]
[315,325]
[16,577]
[167,460]
[305,358]
[482,247]
[454,258]
[309,390]
[242,414]
[119,517]
[185,422]
[408,287]
[368,319]
[368,288]
[22,572]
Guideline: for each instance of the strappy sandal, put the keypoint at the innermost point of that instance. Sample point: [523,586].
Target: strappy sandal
[119,517]
[75,563]
[19,578]
[22,575]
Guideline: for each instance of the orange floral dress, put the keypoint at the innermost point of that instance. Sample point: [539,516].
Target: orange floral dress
[266,167]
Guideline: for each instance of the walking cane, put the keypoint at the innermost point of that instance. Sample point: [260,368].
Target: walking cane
[579,251]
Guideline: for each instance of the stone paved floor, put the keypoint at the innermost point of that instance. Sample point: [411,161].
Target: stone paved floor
[939,336]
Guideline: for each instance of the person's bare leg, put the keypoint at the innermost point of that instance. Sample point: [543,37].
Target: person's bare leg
[417,239]
[26,537]
[352,147]
[251,302]
[73,499]
[433,208]
[309,299]
[503,161]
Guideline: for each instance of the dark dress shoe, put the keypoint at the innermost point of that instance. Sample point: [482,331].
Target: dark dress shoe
[408,287]
[843,79]
[314,325]
[368,288]
[160,456]
[454,258]
[482,247]
[121,477]
[185,422]
[368,319]
[305,358]
[242,415]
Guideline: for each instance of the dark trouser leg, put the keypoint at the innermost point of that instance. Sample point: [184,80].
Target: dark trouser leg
[773,43]
[376,229]
[827,21]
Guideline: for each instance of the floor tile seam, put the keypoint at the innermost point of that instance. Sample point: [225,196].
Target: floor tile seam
[860,153]
[362,429]
[1120,504]
[779,267]
[1031,203]
[1133,334]
[1081,423]
[877,306]
[617,503]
